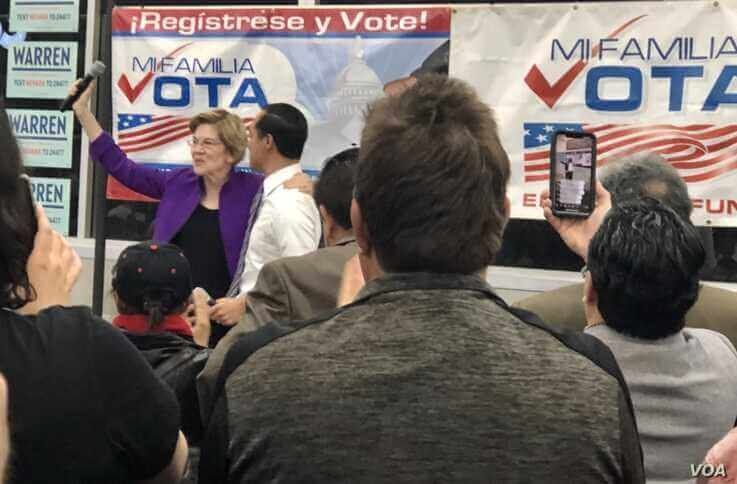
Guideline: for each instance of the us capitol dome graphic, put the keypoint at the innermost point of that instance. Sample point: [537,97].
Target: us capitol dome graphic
[355,86]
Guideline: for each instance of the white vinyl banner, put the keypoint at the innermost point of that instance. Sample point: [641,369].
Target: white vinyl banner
[171,63]
[645,76]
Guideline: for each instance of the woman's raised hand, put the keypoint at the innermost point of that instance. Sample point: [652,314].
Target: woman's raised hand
[82,102]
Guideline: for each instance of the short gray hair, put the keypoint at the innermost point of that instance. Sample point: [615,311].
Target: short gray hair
[646,174]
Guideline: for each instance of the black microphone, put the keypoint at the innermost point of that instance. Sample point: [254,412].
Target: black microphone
[97,69]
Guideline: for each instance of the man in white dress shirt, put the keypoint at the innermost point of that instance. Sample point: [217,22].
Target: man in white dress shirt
[285,221]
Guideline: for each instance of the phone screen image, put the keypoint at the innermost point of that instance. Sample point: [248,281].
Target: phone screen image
[573,166]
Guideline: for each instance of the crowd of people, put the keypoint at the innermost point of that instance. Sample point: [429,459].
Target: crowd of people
[275,331]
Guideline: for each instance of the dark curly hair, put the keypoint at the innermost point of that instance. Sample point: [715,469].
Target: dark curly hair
[17,222]
[644,262]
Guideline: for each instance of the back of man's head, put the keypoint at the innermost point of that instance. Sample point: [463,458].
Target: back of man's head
[287,125]
[644,262]
[334,188]
[431,179]
[646,174]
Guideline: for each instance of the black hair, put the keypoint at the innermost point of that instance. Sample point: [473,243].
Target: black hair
[287,125]
[18,224]
[431,179]
[644,262]
[158,305]
[334,188]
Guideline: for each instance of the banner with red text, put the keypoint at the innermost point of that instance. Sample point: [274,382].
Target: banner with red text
[651,76]
[171,63]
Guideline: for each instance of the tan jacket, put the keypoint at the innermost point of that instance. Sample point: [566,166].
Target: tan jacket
[715,309]
[287,289]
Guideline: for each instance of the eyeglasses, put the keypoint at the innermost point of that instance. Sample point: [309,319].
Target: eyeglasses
[206,143]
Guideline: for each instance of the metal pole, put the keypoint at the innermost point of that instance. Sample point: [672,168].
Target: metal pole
[104,115]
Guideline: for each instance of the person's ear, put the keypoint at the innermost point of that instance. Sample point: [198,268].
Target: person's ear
[323,213]
[327,222]
[230,159]
[359,228]
[507,207]
[269,142]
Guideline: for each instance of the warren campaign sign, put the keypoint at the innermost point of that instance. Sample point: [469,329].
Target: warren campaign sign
[41,69]
[172,63]
[54,195]
[44,15]
[45,137]
[655,76]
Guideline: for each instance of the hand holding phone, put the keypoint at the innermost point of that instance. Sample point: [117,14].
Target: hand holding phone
[578,232]
[204,294]
[572,173]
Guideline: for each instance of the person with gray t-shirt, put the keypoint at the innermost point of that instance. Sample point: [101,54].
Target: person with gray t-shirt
[642,278]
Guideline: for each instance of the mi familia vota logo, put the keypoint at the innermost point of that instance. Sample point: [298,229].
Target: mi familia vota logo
[644,63]
[177,79]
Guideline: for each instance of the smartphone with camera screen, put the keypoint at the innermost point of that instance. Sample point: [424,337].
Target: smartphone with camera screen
[572,173]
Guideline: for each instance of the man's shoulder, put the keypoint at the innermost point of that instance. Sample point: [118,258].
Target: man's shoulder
[561,307]
[246,178]
[330,258]
[289,205]
[282,194]
[715,309]
[576,343]
[63,320]
[713,293]
[562,349]
[712,341]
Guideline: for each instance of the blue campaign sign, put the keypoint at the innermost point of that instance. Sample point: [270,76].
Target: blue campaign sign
[44,15]
[41,69]
[54,195]
[45,137]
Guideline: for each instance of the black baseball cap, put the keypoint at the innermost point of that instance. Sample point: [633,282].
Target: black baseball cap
[149,270]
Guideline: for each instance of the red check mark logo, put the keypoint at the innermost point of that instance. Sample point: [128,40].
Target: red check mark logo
[132,92]
[551,93]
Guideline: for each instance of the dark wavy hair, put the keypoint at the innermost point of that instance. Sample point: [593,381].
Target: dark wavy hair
[17,222]
[644,262]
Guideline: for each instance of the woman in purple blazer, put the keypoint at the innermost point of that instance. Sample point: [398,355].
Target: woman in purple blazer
[204,209]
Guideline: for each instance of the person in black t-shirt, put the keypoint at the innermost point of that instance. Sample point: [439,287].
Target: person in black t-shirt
[84,406]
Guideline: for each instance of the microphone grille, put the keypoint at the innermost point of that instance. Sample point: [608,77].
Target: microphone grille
[97,68]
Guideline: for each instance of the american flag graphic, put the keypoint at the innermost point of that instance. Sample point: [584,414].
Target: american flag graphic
[699,152]
[141,132]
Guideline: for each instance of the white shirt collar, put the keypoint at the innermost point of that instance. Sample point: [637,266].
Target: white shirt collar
[281,175]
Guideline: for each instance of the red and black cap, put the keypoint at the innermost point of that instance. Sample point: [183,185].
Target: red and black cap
[149,270]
